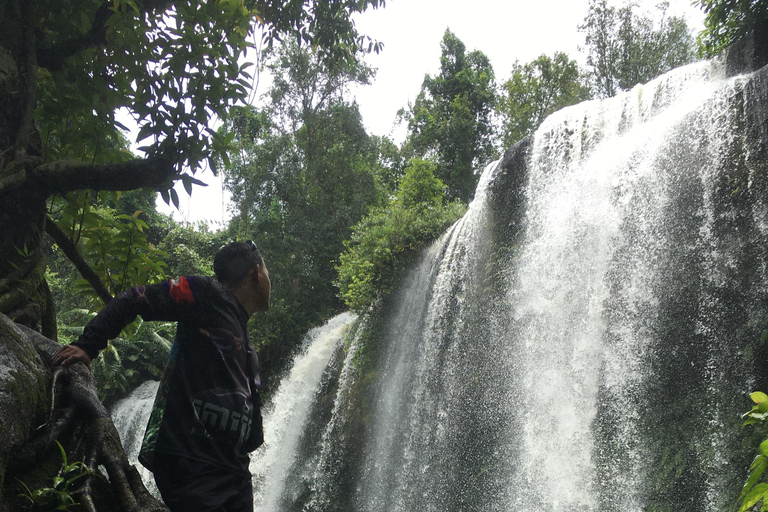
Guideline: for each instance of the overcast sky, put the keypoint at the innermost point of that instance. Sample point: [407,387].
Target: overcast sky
[411,30]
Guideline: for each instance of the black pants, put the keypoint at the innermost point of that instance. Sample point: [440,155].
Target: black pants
[188,485]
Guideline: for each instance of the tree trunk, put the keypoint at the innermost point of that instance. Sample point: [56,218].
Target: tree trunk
[38,407]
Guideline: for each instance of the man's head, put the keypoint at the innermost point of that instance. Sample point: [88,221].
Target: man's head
[233,261]
[240,268]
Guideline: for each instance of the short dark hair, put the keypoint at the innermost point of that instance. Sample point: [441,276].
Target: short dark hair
[233,261]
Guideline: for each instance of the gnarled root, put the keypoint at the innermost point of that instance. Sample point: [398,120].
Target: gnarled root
[82,424]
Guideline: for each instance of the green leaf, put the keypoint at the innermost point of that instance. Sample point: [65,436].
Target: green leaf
[63,453]
[187,184]
[145,131]
[175,198]
[754,476]
[758,493]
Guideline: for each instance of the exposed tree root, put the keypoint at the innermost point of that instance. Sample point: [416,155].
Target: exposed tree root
[79,419]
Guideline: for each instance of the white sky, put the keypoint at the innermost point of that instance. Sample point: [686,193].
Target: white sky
[411,30]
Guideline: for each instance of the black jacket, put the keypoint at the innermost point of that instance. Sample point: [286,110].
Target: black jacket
[207,405]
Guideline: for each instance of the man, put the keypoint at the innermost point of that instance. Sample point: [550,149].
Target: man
[206,415]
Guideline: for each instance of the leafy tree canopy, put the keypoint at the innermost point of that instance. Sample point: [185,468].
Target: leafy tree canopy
[537,89]
[450,121]
[68,66]
[729,20]
[304,171]
[385,242]
[626,47]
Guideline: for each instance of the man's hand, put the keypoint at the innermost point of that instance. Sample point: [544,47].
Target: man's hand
[70,354]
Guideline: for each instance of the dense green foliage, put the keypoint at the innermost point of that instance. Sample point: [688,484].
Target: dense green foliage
[384,243]
[173,65]
[626,47]
[729,20]
[115,243]
[302,172]
[450,121]
[67,68]
[537,89]
[753,492]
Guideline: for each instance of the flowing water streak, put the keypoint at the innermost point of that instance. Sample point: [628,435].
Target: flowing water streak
[130,416]
[286,415]
[415,429]
[596,196]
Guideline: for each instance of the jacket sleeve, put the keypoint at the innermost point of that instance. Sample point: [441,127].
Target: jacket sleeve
[170,300]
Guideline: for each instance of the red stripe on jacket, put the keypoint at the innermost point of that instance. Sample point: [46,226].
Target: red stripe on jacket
[180,290]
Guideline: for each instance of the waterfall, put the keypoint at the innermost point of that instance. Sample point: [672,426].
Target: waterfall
[583,339]
[599,190]
[587,347]
[286,415]
[130,416]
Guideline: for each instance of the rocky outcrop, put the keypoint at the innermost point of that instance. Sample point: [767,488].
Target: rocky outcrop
[39,407]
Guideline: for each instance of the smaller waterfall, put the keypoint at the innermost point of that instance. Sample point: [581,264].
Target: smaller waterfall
[286,414]
[130,416]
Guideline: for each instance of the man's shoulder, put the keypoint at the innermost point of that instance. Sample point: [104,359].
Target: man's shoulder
[200,284]
[204,287]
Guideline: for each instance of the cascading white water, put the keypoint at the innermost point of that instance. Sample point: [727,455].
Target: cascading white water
[130,416]
[583,353]
[594,170]
[286,415]
[552,395]
[414,422]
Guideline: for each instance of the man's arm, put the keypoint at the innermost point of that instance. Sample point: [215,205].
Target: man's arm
[165,301]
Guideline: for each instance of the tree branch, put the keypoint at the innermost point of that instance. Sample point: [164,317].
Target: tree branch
[26,125]
[23,287]
[48,321]
[19,272]
[68,175]
[69,249]
[53,58]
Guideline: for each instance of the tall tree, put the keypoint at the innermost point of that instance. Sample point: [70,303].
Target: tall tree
[450,121]
[304,173]
[626,47]
[385,242]
[537,89]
